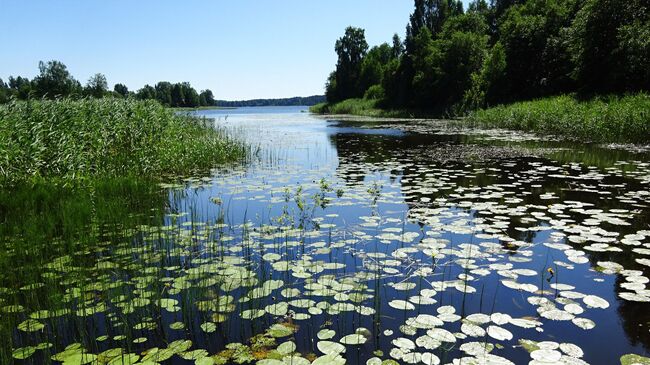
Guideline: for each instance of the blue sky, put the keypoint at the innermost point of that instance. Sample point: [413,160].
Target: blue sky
[240,49]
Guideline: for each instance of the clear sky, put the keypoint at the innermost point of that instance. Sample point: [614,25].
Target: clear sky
[240,49]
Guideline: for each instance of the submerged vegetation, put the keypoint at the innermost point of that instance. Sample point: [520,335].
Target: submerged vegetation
[77,139]
[604,119]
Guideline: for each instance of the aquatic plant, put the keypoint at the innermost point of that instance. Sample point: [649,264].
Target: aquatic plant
[72,140]
[602,119]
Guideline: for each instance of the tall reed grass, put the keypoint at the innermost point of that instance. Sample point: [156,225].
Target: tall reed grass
[73,139]
[601,119]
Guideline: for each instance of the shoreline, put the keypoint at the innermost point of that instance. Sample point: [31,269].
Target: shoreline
[603,119]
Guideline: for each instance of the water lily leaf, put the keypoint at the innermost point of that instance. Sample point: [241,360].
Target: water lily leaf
[325,334]
[401,304]
[330,359]
[354,339]
[329,347]
[286,348]
[208,327]
[632,359]
[499,333]
[30,325]
[23,352]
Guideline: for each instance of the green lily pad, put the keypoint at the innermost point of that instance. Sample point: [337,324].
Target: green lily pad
[632,359]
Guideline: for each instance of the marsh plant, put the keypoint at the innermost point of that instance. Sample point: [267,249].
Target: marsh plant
[78,139]
[392,260]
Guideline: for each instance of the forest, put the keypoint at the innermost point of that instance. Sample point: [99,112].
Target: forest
[295,101]
[456,60]
[54,81]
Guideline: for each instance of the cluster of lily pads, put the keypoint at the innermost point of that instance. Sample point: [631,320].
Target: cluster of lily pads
[389,262]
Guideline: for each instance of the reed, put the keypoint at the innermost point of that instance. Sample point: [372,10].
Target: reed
[80,139]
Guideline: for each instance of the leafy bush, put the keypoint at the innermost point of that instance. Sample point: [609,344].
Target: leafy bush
[375,92]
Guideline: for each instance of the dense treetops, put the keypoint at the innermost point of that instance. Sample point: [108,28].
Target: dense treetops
[499,52]
[295,101]
[55,81]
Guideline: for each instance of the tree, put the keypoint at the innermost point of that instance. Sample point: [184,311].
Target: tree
[463,55]
[20,87]
[55,81]
[372,66]
[430,14]
[97,86]
[206,98]
[397,48]
[147,92]
[487,84]
[351,48]
[532,35]
[190,96]
[603,37]
[331,93]
[164,93]
[634,45]
[121,89]
[4,92]
[177,96]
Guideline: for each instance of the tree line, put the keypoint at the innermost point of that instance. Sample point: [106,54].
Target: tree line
[498,52]
[295,101]
[55,81]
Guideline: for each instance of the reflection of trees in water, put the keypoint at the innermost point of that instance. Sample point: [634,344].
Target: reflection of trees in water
[635,319]
[363,155]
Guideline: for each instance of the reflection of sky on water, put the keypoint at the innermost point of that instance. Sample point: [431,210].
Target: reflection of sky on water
[406,165]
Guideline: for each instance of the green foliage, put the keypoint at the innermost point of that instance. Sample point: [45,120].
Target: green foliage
[506,51]
[206,98]
[351,49]
[348,106]
[121,90]
[20,87]
[375,92]
[54,81]
[606,119]
[487,84]
[105,137]
[294,101]
[372,66]
[607,54]
[97,86]
[372,108]
[179,95]
[4,92]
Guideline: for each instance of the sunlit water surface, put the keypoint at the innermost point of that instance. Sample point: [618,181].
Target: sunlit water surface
[355,241]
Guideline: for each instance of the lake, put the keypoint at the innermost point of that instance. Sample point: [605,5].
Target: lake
[342,240]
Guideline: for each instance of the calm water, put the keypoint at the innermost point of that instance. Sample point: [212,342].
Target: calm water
[367,240]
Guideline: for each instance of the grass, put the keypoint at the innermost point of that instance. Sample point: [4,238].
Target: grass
[73,140]
[601,119]
[623,119]
[193,108]
[370,108]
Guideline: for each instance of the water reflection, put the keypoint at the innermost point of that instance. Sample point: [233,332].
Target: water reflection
[387,233]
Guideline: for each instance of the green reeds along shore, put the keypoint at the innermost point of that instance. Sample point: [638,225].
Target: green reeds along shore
[624,119]
[79,139]
[601,119]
